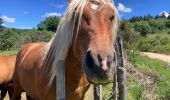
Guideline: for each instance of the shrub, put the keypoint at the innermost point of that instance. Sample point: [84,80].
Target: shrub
[142,27]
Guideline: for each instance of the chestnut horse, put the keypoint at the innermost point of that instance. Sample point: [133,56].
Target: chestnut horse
[7,64]
[84,41]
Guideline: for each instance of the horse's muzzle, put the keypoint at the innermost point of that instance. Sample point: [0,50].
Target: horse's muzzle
[99,68]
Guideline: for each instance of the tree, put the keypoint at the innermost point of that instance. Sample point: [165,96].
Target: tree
[136,18]
[168,17]
[157,24]
[147,17]
[1,22]
[157,16]
[128,34]
[50,24]
[167,24]
[163,15]
[143,27]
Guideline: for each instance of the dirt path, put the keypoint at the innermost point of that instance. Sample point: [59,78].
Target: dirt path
[163,57]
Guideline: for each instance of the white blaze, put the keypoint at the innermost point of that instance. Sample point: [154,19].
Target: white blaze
[94,6]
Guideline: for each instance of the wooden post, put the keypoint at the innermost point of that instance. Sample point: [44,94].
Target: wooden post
[60,81]
[98,92]
[114,91]
[121,72]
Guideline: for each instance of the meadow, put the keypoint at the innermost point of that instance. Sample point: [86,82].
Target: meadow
[146,78]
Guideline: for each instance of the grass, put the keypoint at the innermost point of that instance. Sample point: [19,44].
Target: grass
[8,53]
[136,90]
[158,90]
[158,43]
[161,87]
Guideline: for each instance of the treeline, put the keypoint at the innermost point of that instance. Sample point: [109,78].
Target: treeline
[131,30]
[149,24]
[11,38]
[141,26]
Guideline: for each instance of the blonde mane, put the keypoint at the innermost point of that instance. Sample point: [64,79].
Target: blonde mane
[56,50]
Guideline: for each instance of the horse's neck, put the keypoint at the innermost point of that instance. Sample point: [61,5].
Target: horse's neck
[74,72]
[73,61]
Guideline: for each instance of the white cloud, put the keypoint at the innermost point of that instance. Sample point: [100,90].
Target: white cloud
[8,19]
[52,14]
[60,6]
[25,27]
[124,9]
[26,12]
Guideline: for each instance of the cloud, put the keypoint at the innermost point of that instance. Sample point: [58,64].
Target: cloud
[26,12]
[52,14]
[25,27]
[8,19]
[60,6]
[124,9]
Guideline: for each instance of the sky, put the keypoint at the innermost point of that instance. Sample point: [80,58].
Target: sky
[26,14]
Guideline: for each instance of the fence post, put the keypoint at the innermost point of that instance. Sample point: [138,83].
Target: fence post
[98,92]
[60,81]
[121,72]
[114,91]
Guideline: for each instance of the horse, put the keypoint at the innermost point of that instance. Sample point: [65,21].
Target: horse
[84,41]
[7,65]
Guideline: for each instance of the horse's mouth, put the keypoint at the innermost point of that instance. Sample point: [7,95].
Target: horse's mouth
[94,73]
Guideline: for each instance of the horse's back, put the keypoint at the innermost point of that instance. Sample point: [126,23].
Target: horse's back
[29,69]
[7,64]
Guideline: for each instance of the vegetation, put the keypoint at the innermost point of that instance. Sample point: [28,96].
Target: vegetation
[1,22]
[9,53]
[140,33]
[49,24]
[15,38]
[154,43]
[159,71]
[146,34]
[155,87]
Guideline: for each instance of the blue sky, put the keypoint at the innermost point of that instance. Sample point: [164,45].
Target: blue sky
[25,14]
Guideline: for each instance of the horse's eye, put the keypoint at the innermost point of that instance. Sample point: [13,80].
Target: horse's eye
[112,17]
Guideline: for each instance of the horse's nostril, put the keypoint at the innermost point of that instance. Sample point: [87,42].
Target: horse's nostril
[108,63]
[99,58]
[88,53]
[89,60]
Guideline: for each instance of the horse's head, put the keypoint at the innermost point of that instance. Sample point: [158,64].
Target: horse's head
[96,35]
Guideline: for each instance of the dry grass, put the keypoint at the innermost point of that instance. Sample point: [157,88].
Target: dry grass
[23,97]
[88,96]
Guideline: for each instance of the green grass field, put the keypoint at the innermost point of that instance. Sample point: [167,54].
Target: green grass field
[160,71]
[157,88]
[8,53]
[158,43]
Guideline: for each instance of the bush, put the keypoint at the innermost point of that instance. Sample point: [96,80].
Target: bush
[128,34]
[159,44]
[165,49]
[157,25]
[50,24]
[142,27]
[168,33]
[15,38]
[167,24]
